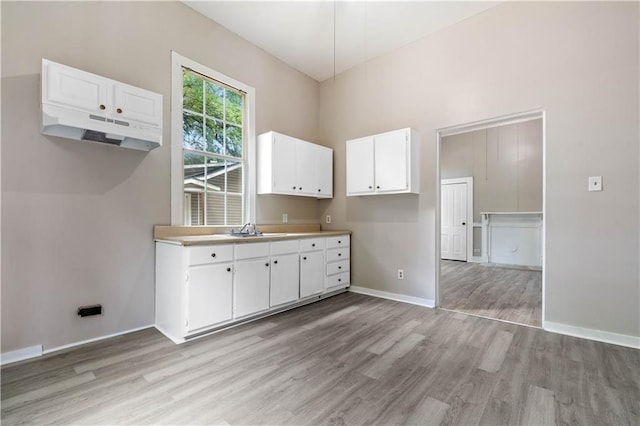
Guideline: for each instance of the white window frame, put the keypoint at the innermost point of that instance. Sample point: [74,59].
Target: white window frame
[178,62]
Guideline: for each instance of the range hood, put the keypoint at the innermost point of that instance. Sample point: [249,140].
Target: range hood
[87,107]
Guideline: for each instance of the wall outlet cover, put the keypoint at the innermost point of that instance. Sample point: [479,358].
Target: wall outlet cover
[401,274]
[595,183]
[328,218]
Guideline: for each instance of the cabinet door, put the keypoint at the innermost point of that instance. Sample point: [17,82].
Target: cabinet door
[285,279]
[360,179]
[251,289]
[74,88]
[306,168]
[391,161]
[324,166]
[311,273]
[134,103]
[208,295]
[284,164]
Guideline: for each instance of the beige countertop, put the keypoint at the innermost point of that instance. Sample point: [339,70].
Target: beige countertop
[179,236]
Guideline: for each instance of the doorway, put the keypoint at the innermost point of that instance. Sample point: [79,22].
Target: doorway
[490,254]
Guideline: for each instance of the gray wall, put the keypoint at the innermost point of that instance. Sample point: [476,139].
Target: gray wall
[77,218]
[505,163]
[578,61]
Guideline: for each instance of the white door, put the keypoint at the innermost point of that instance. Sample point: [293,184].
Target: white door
[137,104]
[324,166]
[360,178]
[306,168]
[285,276]
[284,164]
[208,295]
[453,221]
[391,154]
[75,88]
[251,287]
[311,273]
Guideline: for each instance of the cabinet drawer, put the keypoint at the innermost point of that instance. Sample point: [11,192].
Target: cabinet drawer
[337,254]
[338,267]
[251,250]
[339,279]
[210,254]
[311,244]
[339,241]
[284,247]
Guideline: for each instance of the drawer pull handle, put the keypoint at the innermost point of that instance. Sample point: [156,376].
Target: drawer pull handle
[377,187]
[102,107]
[313,245]
[275,261]
[266,264]
[294,187]
[213,255]
[318,190]
[339,242]
[119,110]
[339,267]
[339,254]
[339,279]
[228,269]
[370,187]
[300,188]
[304,258]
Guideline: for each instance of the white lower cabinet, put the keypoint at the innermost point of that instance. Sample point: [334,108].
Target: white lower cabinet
[200,288]
[251,287]
[209,295]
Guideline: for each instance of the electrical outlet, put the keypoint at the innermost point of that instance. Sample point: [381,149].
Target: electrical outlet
[328,218]
[285,218]
[595,183]
[401,274]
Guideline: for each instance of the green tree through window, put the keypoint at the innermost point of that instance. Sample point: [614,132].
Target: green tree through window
[213,151]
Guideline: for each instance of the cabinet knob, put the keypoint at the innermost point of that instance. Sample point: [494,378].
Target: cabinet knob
[319,190]
[377,187]
[300,188]
[213,255]
[339,279]
[103,107]
[275,261]
[464,223]
[119,110]
[370,187]
[304,258]
[266,264]
[339,267]
[228,269]
[294,187]
[339,254]
[313,245]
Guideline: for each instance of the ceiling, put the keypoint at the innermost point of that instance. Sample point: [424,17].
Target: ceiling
[301,33]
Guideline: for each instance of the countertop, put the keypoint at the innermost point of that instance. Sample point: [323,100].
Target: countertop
[210,239]
[193,235]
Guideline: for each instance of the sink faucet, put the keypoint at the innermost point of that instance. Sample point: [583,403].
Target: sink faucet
[248,229]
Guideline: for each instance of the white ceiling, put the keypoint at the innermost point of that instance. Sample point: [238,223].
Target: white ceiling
[301,33]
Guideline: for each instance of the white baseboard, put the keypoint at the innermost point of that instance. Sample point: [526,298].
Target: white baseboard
[591,334]
[21,354]
[36,351]
[429,303]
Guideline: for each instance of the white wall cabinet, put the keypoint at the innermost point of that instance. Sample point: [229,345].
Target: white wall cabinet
[100,96]
[387,163]
[200,288]
[291,166]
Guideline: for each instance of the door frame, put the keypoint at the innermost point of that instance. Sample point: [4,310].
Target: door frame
[469,181]
[441,132]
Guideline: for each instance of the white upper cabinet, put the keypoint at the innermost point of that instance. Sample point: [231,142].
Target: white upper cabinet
[387,163]
[81,90]
[291,166]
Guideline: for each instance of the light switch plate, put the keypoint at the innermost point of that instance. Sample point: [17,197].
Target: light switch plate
[595,183]
[285,218]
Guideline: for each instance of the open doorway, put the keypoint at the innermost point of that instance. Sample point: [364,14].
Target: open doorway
[491,218]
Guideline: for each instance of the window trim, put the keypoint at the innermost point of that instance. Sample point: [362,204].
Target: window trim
[178,62]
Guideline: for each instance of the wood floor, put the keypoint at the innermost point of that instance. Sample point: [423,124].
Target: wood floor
[351,359]
[504,293]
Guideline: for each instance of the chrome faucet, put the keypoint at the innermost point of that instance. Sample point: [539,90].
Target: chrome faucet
[247,229]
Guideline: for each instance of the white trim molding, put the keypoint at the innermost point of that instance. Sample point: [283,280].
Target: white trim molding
[592,334]
[36,350]
[21,354]
[429,303]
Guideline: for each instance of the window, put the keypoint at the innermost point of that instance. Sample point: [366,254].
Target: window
[214,147]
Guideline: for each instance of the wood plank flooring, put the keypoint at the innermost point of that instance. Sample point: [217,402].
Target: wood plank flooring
[490,291]
[350,359]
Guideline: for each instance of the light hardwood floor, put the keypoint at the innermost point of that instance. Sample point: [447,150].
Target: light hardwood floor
[351,359]
[504,293]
